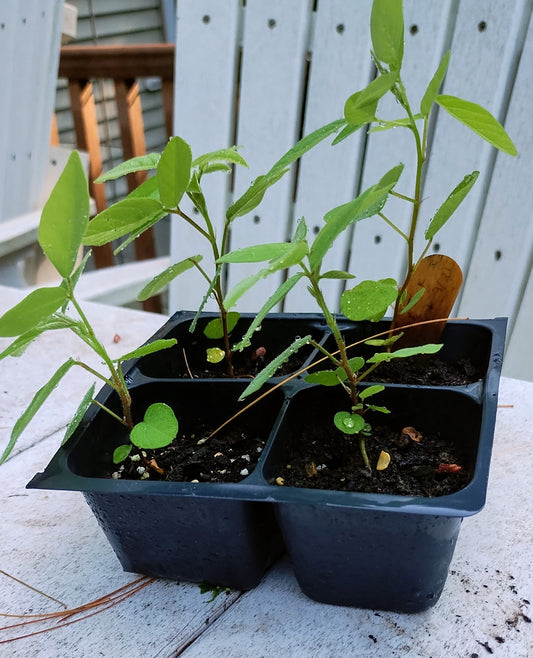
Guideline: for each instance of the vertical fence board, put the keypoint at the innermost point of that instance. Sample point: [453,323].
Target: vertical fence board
[270,94]
[328,175]
[206,60]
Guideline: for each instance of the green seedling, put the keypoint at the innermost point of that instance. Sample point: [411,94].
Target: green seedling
[178,175]
[361,110]
[367,301]
[63,224]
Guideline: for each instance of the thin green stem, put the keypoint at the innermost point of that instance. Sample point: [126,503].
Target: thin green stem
[111,413]
[324,351]
[402,196]
[393,226]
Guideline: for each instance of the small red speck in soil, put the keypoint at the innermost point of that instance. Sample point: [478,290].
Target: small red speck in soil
[448,468]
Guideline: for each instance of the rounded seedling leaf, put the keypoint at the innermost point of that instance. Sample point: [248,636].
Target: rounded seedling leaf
[157,430]
[479,120]
[174,172]
[369,300]
[348,423]
[383,461]
[214,329]
[324,377]
[371,390]
[120,453]
[65,217]
[32,310]
[215,354]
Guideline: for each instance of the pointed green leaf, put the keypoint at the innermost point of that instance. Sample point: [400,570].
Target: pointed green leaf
[386,29]
[32,310]
[157,430]
[65,217]
[18,346]
[146,190]
[271,368]
[121,218]
[433,88]
[404,353]
[154,346]
[382,410]
[371,390]
[413,301]
[139,163]
[255,193]
[451,204]
[301,230]
[222,155]
[337,274]
[369,300]
[214,328]
[34,406]
[257,253]
[360,108]
[274,299]
[174,172]
[346,132]
[80,413]
[163,279]
[479,120]
[291,257]
[383,342]
[205,298]
[348,423]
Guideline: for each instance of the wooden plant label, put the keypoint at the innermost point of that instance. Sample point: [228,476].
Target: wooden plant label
[441,278]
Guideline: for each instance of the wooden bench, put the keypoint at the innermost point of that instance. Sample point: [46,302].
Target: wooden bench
[263,74]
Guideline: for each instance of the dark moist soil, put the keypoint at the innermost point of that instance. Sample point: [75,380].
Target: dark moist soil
[426,369]
[326,459]
[229,456]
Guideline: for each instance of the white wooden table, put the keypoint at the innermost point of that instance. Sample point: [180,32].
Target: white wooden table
[51,541]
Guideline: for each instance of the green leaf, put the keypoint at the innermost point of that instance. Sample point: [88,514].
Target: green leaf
[451,204]
[222,155]
[479,120]
[348,423]
[121,218]
[139,163]
[382,410]
[121,453]
[257,253]
[157,430]
[146,190]
[32,310]
[301,230]
[413,301]
[292,257]
[80,413]
[337,274]
[346,132]
[386,29]
[65,217]
[168,275]
[371,390]
[19,345]
[383,342]
[368,203]
[274,299]
[214,328]
[154,346]
[356,363]
[174,172]
[405,352]
[255,193]
[433,88]
[271,368]
[360,108]
[34,406]
[369,300]
[205,298]
[324,378]
[80,269]
[214,354]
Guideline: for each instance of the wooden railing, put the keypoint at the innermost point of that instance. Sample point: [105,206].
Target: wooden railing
[80,65]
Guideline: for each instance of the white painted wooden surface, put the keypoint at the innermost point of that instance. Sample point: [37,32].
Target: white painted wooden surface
[293,65]
[30,36]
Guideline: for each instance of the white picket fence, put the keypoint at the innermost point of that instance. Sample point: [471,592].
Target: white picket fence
[262,74]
